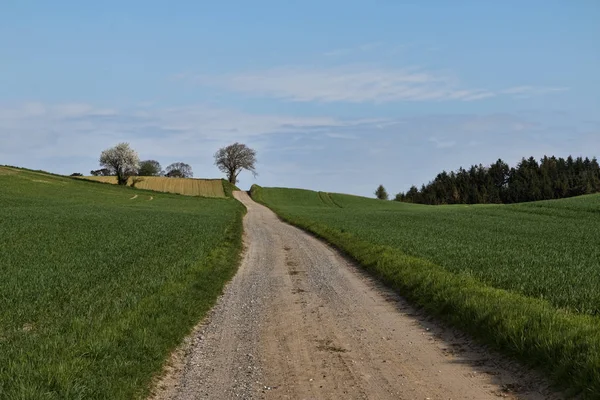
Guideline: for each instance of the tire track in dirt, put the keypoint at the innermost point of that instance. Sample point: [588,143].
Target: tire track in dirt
[299,321]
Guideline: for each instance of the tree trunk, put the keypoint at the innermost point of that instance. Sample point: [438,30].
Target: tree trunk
[122,180]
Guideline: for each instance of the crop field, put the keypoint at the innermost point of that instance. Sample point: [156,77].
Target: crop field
[185,186]
[523,277]
[99,283]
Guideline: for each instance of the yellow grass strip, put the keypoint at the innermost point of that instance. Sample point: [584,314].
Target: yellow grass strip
[184,186]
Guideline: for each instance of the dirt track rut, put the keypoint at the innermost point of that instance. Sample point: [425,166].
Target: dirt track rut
[299,321]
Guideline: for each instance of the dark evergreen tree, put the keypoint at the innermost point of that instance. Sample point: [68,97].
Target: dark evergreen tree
[529,180]
[381,193]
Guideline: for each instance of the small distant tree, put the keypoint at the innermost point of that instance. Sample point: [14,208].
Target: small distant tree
[179,170]
[76,174]
[101,172]
[150,168]
[235,158]
[381,193]
[121,160]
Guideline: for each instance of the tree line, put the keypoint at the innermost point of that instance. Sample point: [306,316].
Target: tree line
[123,162]
[151,168]
[530,180]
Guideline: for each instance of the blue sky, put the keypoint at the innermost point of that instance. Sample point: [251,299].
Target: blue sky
[334,95]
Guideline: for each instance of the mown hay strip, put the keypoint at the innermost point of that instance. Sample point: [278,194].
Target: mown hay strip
[184,186]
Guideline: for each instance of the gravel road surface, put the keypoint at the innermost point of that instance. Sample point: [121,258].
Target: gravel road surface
[299,321]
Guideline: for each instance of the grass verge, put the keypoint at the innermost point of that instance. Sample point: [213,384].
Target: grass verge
[229,188]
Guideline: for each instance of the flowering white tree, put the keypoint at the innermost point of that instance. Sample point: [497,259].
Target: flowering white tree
[121,160]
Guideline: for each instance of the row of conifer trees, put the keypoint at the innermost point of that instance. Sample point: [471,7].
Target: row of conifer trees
[529,180]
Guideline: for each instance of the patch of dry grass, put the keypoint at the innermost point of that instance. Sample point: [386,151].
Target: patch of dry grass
[185,186]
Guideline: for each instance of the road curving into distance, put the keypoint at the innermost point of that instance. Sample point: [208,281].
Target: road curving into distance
[299,321]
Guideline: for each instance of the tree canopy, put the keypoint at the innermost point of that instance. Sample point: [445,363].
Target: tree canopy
[121,161]
[150,168]
[234,158]
[381,193]
[179,170]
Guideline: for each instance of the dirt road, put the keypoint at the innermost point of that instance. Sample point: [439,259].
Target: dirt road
[299,321]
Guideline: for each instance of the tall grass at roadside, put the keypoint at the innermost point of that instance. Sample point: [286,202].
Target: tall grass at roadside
[229,188]
[98,286]
[524,278]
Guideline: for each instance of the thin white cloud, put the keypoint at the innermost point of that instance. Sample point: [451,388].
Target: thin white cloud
[496,122]
[338,52]
[335,135]
[442,144]
[55,111]
[355,84]
[352,50]
[530,91]
[295,149]
[73,130]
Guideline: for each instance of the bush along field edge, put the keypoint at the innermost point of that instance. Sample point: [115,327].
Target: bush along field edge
[229,188]
[564,345]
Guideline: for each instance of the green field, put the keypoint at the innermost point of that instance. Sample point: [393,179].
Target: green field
[98,286]
[524,277]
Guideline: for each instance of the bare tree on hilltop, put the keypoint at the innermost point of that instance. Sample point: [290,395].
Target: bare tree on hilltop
[235,158]
[121,160]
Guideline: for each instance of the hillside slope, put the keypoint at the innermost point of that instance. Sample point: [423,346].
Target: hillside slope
[98,283]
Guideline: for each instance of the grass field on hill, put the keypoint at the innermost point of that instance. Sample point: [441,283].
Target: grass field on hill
[98,283]
[523,277]
[185,186]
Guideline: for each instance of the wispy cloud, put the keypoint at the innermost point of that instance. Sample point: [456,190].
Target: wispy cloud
[352,50]
[530,91]
[54,111]
[336,135]
[356,84]
[442,144]
[72,130]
